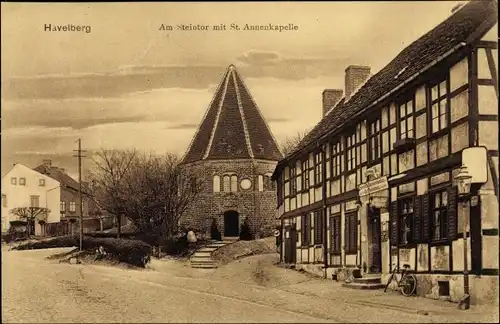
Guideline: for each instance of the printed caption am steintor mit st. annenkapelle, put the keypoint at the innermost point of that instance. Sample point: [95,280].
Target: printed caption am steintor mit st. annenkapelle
[230,27]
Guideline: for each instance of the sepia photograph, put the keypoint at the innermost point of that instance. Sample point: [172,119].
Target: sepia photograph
[250,162]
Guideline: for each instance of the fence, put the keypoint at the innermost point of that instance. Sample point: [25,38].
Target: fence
[68,228]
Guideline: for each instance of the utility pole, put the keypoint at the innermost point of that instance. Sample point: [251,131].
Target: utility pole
[79,156]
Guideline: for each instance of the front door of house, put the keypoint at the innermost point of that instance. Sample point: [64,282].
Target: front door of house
[290,244]
[376,248]
[231,223]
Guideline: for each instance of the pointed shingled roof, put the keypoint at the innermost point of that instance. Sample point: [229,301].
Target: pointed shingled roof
[233,126]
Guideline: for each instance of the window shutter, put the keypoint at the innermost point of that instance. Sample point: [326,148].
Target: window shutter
[452,213]
[353,226]
[304,230]
[426,218]
[335,233]
[317,228]
[347,245]
[393,217]
[417,217]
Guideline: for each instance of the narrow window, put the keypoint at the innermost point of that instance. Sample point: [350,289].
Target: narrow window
[227,183]
[234,183]
[41,182]
[293,180]
[406,221]
[305,174]
[351,152]
[72,207]
[406,120]
[63,206]
[374,142]
[439,108]
[4,200]
[216,183]
[22,181]
[13,181]
[336,159]
[318,168]
[439,215]
[260,180]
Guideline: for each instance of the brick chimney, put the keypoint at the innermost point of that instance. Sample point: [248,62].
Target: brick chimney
[331,97]
[355,76]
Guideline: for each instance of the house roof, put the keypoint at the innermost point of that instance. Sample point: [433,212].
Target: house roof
[59,175]
[233,126]
[464,26]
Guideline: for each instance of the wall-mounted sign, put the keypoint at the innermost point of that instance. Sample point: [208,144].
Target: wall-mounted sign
[476,161]
[374,186]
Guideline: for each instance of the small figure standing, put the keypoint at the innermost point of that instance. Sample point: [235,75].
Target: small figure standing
[191,236]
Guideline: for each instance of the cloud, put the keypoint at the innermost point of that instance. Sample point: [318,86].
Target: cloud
[138,79]
[259,57]
[112,85]
[182,126]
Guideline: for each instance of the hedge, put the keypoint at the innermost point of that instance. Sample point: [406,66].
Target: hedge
[133,252]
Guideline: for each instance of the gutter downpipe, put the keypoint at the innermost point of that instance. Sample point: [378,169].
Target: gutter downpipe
[323,209]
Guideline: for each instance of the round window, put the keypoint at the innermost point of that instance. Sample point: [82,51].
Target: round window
[246,184]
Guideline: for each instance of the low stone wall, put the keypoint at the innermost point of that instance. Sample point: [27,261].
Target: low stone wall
[482,289]
[318,270]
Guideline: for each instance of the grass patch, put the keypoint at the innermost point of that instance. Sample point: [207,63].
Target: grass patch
[241,249]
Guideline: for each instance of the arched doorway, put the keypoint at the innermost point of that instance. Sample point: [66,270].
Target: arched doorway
[231,223]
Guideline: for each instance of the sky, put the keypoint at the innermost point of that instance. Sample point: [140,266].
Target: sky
[129,84]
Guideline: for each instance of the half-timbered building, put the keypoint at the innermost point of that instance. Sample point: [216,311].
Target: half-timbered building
[373,186]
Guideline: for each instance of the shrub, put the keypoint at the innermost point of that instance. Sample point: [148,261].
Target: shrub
[245,232]
[58,242]
[176,245]
[133,252]
[214,231]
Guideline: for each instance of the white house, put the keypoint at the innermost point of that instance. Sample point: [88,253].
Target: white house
[24,187]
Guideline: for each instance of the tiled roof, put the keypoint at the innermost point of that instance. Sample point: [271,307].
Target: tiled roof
[59,175]
[475,16]
[233,126]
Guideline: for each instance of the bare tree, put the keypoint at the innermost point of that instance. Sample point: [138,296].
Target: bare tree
[160,191]
[107,182]
[153,191]
[31,214]
[290,143]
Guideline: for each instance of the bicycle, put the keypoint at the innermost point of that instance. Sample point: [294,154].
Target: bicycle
[408,282]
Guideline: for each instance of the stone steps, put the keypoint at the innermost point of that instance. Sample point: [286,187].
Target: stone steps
[369,286]
[368,282]
[202,258]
